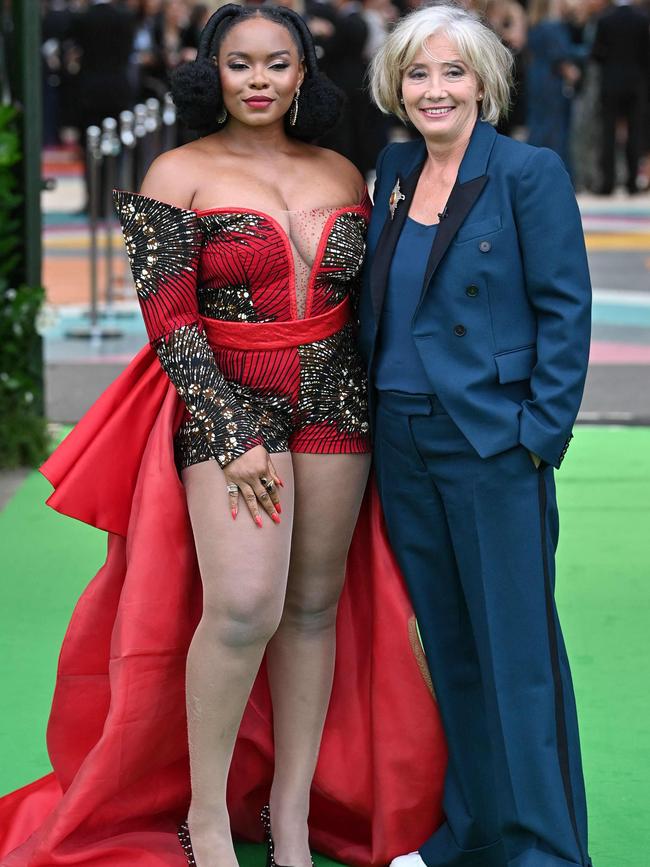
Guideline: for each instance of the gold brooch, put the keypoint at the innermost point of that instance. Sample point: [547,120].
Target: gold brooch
[395,198]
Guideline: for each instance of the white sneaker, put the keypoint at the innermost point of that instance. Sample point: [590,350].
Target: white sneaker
[413,859]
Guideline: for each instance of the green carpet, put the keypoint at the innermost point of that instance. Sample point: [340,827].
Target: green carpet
[603,592]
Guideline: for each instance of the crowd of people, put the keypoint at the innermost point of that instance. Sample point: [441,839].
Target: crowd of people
[582,71]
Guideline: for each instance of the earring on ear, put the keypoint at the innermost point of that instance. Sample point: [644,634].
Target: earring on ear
[223,116]
[293,111]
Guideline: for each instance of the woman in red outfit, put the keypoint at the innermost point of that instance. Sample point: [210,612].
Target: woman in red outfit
[246,207]
[246,248]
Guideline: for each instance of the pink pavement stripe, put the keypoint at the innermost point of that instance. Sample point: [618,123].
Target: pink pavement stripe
[602,352]
[94,359]
[633,218]
[609,352]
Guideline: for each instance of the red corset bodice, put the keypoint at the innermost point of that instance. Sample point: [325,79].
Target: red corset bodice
[256,267]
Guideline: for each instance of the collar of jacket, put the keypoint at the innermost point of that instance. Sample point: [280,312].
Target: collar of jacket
[475,158]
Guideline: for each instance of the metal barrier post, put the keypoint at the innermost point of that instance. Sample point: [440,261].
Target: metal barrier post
[127,137]
[93,332]
[94,162]
[169,123]
[126,181]
[147,133]
[124,154]
[140,132]
[153,125]
[110,147]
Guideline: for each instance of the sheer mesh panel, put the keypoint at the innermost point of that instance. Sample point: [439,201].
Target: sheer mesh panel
[304,229]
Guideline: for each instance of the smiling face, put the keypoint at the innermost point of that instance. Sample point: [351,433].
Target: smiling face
[260,71]
[441,93]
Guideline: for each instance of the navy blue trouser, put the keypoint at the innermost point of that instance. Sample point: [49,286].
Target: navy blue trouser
[475,539]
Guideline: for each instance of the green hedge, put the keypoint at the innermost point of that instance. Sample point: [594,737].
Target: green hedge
[23,434]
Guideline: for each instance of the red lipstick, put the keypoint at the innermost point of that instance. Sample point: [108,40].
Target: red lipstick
[258,102]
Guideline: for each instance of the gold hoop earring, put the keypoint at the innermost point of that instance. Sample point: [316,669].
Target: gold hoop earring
[223,116]
[293,111]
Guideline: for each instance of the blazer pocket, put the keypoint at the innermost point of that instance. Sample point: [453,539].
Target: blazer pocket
[468,231]
[516,364]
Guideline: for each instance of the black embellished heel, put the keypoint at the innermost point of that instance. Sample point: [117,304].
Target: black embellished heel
[265,816]
[186,843]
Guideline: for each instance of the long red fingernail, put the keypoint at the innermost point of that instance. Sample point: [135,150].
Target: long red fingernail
[258,520]
[234,514]
[275,519]
[280,482]
[278,508]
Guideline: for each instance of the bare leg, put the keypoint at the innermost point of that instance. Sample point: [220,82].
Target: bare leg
[328,494]
[244,572]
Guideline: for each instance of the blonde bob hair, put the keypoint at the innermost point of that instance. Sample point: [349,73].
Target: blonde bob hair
[478,46]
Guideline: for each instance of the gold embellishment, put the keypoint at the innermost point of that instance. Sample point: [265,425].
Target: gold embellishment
[396,197]
[333,385]
[418,653]
[212,401]
[162,241]
[342,260]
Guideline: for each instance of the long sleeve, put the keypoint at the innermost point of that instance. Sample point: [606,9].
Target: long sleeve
[163,244]
[558,286]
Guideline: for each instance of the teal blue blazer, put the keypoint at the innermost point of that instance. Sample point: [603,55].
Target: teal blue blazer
[504,315]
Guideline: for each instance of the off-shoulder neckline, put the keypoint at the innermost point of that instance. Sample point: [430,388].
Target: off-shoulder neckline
[333,214]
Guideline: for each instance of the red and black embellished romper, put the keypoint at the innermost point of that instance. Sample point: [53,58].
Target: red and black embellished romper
[253,318]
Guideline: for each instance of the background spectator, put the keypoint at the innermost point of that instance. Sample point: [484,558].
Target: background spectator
[147,60]
[343,61]
[197,18]
[585,119]
[622,48]
[551,77]
[103,33]
[508,18]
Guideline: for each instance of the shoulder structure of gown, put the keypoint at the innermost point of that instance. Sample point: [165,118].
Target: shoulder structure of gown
[163,244]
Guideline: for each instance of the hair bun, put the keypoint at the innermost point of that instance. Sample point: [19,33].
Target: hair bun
[319,107]
[196,91]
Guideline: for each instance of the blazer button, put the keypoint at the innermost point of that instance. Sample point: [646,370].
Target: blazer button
[472,291]
[485,246]
[460,331]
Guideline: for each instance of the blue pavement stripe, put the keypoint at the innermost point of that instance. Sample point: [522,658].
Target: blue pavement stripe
[634,316]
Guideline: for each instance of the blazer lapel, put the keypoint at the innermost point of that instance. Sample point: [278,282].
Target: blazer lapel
[459,205]
[388,238]
[472,177]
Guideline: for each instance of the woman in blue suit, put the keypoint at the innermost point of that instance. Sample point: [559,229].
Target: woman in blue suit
[475,320]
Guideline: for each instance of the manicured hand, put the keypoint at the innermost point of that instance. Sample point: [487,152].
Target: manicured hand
[257,481]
